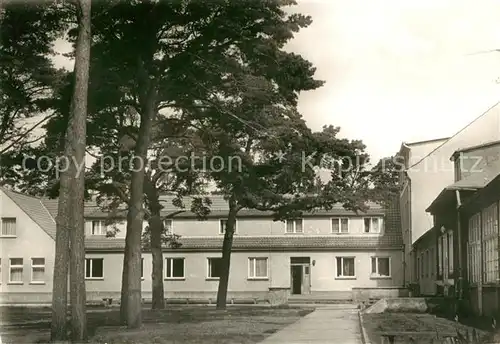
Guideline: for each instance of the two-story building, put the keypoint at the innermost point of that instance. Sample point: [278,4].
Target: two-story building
[336,253]
[464,238]
[429,171]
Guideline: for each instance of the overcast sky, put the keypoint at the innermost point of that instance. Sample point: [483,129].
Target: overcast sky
[399,70]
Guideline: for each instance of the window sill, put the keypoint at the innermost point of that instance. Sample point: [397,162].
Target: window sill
[212,278]
[37,283]
[380,277]
[258,278]
[299,233]
[174,279]
[345,233]
[345,278]
[94,278]
[15,283]
[8,236]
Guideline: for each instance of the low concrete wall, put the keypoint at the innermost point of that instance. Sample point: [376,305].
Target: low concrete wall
[400,305]
[364,294]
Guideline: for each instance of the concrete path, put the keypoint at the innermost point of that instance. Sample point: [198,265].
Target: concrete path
[327,324]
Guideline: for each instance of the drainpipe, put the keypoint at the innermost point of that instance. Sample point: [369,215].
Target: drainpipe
[459,232]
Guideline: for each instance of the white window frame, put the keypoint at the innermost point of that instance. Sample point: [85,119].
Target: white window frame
[222,232]
[208,268]
[172,268]
[342,276]
[339,220]
[91,262]
[15,227]
[294,226]
[377,274]
[34,266]
[450,242]
[1,279]
[380,222]
[252,274]
[102,227]
[171,232]
[14,267]
[474,249]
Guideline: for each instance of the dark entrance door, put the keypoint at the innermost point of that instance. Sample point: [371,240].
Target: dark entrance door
[296,279]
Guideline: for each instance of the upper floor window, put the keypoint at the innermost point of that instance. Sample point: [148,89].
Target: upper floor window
[372,224]
[457,168]
[340,225]
[168,225]
[98,227]
[9,226]
[294,226]
[223,225]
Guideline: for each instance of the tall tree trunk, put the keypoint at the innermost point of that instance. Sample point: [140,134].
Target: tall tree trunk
[69,224]
[79,123]
[156,228]
[226,254]
[131,303]
[155,231]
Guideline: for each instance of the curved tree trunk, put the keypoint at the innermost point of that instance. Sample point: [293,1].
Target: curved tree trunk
[70,223]
[131,300]
[226,254]
[77,234]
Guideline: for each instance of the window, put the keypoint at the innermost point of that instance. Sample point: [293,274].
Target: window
[458,166]
[142,268]
[427,267]
[490,243]
[372,224]
[446,266]
[223,224]
[381,267]
[440,256]
[345,267]
[474,248]
[294,226]
[94,268]
[257,268]
[168,225]
[9,226]
[98,228]
[0,270]
[450,252]
[16,270]
[422,265]
[432,262]
[38,270]
[418,268]
[340,225]
[214,267]
[174,268]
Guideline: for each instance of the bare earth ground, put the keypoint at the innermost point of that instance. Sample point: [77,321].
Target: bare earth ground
[375,324]
[184,324]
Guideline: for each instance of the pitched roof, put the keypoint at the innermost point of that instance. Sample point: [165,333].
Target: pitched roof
[35,209]
[484,114]
[282,242]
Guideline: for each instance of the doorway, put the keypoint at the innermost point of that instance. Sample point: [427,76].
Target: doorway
[300,275]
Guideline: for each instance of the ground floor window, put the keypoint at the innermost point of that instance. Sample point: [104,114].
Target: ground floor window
[381,267]
[214,267]
[37,270]
[94,268]
[490,243]
[474,248]
[16,270]
[345,267]
[257,267]
[174,268]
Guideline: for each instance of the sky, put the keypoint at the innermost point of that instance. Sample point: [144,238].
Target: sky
[398,70]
